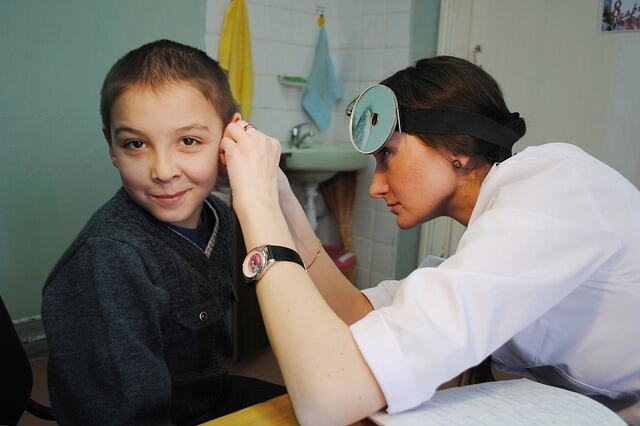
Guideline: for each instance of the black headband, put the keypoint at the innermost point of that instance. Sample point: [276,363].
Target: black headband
[438,122]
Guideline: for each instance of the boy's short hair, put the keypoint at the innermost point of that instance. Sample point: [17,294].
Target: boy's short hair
[163,62]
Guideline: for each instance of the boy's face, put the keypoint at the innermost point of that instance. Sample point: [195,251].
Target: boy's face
[165,144]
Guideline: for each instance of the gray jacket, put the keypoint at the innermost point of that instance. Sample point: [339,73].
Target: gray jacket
[137,319]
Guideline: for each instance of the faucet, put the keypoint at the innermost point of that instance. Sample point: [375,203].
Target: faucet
[297,137]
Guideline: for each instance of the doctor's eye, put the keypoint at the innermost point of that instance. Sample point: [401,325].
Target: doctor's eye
[189,141]
[384,152]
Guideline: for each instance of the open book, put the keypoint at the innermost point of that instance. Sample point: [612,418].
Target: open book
[507,402]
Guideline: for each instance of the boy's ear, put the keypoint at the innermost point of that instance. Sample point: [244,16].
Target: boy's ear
[236,117]
[107,136]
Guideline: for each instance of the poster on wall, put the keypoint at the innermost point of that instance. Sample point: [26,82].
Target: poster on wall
[620,15]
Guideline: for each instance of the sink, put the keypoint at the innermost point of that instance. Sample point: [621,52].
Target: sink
[315,162]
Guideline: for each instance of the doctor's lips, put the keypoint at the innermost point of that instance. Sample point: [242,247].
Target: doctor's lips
[392,205]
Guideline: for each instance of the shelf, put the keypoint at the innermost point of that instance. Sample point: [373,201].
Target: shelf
[292,80]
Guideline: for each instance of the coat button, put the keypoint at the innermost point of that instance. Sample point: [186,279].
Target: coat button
[203,316]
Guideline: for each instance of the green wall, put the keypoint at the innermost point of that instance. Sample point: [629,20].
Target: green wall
[54,168]
[425,15]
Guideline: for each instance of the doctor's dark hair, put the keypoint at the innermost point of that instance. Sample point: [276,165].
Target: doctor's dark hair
[164,62]
[452,84]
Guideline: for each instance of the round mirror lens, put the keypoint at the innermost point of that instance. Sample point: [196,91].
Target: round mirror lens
[373,118]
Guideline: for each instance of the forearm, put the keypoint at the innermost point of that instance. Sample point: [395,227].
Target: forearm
[345,299]
[325,373]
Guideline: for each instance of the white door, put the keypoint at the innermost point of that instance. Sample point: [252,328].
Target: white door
[569,80]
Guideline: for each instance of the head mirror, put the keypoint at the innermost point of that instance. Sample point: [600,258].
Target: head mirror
[373,117]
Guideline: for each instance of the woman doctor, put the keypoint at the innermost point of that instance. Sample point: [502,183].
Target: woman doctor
[545,280]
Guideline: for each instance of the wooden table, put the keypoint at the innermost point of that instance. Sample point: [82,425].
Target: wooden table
[275,412]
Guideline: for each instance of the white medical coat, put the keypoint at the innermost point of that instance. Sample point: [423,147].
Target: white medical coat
[546,278]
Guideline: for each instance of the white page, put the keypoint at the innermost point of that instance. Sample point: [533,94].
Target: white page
[507,402]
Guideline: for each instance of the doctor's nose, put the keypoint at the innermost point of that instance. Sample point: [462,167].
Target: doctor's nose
[164,168]
[378,187]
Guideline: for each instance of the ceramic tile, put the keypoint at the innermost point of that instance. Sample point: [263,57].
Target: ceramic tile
[373,31]
[371,64]
[362,278]
[362,249]
[280,3]
[395,59]
[277,58]
[349,32]
[362,191]
[373,7]
[346,64]
[331,7]
[305,6]
[385,227]
[214,15]
[273,122]
[376,278]
[274,93]
[350,8]
[398,6]
[259,83]
[258,117]
[382,258]
[362,221]
[398,30]
[278,24]
[257,21]
[259,56]
[304,29]
[380,205]
[300,61]
[211,43]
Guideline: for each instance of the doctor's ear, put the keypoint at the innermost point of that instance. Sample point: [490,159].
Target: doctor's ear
[464,162]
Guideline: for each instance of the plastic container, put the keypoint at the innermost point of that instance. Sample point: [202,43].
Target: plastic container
[345,260]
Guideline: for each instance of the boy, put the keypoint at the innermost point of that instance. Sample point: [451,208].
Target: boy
[137,309]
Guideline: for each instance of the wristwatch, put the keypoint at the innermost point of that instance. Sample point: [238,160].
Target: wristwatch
[262,258]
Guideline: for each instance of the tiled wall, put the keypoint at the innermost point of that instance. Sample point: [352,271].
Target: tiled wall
[368,40]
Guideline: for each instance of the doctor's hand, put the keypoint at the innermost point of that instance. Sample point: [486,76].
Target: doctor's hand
[251,159]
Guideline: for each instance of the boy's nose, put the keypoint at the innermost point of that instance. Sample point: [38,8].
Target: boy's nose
[378,187]
[164,168]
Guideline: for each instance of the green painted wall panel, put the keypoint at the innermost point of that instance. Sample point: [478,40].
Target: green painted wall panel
[54,167]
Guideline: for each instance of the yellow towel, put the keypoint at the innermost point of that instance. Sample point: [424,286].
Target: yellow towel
[235,54]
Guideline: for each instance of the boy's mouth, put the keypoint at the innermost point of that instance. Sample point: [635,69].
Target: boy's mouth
[169,199]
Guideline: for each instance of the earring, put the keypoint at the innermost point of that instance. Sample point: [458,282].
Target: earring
[457,164]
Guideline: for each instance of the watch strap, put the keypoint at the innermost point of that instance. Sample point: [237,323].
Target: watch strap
[279,253]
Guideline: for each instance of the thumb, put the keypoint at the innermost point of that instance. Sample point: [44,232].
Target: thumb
[227,145]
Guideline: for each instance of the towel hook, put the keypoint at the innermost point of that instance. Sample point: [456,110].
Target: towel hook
[321,10]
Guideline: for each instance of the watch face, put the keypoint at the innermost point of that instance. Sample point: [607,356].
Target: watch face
[253,263]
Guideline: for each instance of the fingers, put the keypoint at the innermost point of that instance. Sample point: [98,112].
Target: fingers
[226,145]
[236,131]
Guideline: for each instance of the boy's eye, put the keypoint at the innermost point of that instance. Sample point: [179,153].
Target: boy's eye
[134,144]
[189,141]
